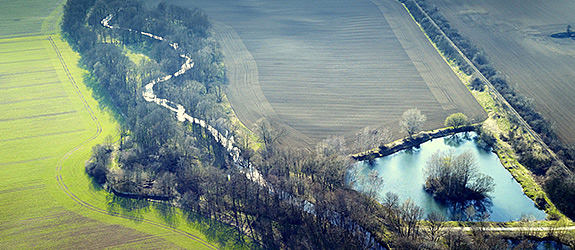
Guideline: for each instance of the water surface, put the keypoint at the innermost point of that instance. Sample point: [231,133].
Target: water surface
[403,174]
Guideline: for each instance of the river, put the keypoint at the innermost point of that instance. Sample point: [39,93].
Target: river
[403,174]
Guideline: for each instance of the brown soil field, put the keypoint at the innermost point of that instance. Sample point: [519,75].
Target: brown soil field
[516,37]
[331,68]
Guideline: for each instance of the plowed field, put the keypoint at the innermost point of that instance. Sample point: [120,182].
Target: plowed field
[331,68]
[516,37]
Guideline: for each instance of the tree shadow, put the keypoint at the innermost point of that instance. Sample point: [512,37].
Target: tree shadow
[94,185]
[133,209]
[105,102]
[563,35]
[215,231]
[456,140]
[469,210]
[167,213]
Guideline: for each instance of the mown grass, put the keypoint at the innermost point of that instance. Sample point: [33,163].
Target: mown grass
[44,117]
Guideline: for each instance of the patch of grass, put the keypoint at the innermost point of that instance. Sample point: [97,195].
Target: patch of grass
[48,125]
[135,56]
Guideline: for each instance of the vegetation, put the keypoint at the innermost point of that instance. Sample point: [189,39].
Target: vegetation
[369,138]
[457,120]
[50,121]
[456,178]
[528,152]
[304,88]
[411,121]
[159,157]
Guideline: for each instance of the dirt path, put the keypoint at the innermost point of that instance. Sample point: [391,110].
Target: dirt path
[515,229]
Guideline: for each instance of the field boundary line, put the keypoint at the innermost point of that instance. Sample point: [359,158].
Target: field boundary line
[60,163]
[496,93]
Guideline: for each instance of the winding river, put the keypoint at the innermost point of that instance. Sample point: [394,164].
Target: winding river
[243,165]
[148,94]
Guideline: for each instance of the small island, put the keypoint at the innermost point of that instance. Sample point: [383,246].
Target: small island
[455,178]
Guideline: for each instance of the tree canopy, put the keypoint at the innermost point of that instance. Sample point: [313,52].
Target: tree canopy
[455,177]
[457,120]
[411,121]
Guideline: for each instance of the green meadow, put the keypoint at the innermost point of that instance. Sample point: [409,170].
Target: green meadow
[49,122]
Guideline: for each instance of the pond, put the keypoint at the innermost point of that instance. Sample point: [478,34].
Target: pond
[403,174]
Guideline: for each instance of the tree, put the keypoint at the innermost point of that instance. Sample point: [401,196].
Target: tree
[369,138]
[333,145]
[477,84]
[372,185]
[411,121]
[457,120]
[269,132]
[436,223]
[456,178]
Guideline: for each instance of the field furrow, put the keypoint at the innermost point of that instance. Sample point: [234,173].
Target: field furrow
[517,39]
[333,69]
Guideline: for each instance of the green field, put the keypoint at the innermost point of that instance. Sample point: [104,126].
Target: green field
[48,124]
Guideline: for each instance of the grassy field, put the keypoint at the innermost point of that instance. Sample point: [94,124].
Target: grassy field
[516,37]
[49,122]
[328,69]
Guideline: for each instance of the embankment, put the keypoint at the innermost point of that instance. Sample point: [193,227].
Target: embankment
[410,142]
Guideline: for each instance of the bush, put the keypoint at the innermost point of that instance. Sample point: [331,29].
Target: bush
[457,120]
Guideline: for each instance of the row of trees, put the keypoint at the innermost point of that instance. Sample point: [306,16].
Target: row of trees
[157,156]
[538,161]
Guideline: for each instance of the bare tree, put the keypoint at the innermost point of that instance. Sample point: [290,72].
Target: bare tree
[334,145]
[269,132]
[411,121]
[451,177]
[436,223]
[372,186]
[369,138]
[411,216]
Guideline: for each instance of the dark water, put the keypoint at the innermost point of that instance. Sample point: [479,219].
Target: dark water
[403,174]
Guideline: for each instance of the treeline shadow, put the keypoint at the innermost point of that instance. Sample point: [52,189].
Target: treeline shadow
[135,209]
[563,35]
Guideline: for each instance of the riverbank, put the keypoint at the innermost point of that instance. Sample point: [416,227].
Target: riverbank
[410,142]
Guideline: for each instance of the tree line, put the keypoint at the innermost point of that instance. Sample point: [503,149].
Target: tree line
[158,156]
[556,181]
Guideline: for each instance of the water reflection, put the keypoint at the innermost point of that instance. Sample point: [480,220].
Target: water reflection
[471,210]
[403,173]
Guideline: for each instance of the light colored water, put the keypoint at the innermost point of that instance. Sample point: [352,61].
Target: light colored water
[403,174]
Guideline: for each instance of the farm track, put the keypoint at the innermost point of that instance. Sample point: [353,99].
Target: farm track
[516,38]
[500,99]
[73,196]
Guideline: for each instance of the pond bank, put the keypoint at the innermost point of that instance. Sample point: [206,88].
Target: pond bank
[409,142]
